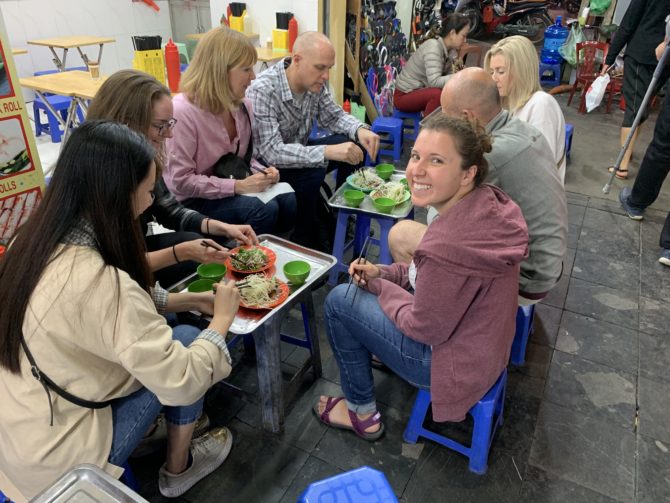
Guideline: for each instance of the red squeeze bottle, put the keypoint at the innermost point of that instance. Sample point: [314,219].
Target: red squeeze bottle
[292,33]
[173,66]
[346,106]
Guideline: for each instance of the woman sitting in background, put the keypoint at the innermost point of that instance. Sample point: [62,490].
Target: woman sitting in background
[446,321]
[214,119]
[514,66]
[421,80]
[77,307]
[139,101]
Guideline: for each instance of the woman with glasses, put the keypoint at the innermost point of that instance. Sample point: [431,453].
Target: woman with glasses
[139,101]
[214,131]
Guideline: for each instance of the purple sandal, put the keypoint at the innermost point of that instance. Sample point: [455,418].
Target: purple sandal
[358,426]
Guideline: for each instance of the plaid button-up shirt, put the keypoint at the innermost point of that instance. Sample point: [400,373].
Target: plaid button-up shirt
[282,124]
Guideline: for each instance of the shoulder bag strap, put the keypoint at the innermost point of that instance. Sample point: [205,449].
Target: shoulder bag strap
[47,383]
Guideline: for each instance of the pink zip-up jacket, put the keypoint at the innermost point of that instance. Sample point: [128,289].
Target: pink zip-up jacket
[199,140]
[465,300]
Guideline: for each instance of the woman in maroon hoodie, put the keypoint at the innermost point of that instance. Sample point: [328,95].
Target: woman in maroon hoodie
[446,321]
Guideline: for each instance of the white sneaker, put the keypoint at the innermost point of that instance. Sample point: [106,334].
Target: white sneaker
[208,451]
[156,440]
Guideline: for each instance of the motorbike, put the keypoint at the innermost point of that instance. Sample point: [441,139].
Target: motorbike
[507,17]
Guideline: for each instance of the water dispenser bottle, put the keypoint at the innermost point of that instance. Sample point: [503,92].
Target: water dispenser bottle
[554,37]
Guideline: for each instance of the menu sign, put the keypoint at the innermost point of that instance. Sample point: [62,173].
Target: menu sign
[21,177]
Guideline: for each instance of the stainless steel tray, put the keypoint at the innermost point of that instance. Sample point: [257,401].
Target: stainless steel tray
[87,483]
[247,320]
[400,211]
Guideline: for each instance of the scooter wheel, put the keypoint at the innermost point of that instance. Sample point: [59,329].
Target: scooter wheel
[541,21]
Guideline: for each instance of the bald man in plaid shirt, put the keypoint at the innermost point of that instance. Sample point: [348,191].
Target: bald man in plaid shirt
[286,99]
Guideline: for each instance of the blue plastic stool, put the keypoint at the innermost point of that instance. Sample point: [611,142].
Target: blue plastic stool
[487,415]
[59,103]
[415,117]
[360,485]
[391,129]
[4,499]
[550,74]
[569,130]
[128,478]
[340,245]
[524,327]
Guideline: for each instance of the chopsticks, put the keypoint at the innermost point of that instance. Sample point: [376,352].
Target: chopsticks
[210,245]
[361,256]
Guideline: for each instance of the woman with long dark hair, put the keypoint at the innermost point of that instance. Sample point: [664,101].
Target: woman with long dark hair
[86,360]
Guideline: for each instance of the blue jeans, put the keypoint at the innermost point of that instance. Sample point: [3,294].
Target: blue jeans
[277,216]
[134,414]
[360,330]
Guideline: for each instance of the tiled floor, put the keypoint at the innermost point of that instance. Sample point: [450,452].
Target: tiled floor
[586,417]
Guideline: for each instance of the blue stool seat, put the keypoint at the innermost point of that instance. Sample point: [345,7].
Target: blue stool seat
[569,130]
[391,136]
[414,117]
[524,327]
[59,103]
[550,74]
[359,485]
[340,245]
[487,415]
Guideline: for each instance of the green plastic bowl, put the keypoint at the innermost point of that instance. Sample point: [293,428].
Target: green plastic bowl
[201,285]
[296,271]
[384,171]
[384,204]
[212,271]
[353,198]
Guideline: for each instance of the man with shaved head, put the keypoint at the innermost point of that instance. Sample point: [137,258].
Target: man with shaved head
[521,164]
[286,99]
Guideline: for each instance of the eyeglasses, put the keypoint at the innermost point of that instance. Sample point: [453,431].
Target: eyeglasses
[165,126]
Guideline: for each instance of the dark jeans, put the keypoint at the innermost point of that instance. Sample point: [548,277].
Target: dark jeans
[170,275]
[309,230]
[654,169]
[277,216]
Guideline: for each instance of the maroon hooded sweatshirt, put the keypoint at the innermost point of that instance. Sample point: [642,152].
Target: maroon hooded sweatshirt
[465,300]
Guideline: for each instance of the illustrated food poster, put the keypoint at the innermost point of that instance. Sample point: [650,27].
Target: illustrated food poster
[21,177]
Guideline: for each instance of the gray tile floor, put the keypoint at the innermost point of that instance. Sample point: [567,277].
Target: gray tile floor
[586,417]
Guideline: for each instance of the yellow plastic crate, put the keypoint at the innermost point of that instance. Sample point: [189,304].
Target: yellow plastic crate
[151,62]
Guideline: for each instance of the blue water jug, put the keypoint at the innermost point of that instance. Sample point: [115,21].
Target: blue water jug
[554,37]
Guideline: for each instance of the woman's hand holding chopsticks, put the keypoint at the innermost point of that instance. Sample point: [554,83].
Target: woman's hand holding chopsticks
[363,271]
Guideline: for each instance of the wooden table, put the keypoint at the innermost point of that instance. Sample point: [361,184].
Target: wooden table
[76,84]
[66,43]
[266,56]
[19,50]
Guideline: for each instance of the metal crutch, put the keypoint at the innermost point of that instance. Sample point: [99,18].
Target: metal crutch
[643,106]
